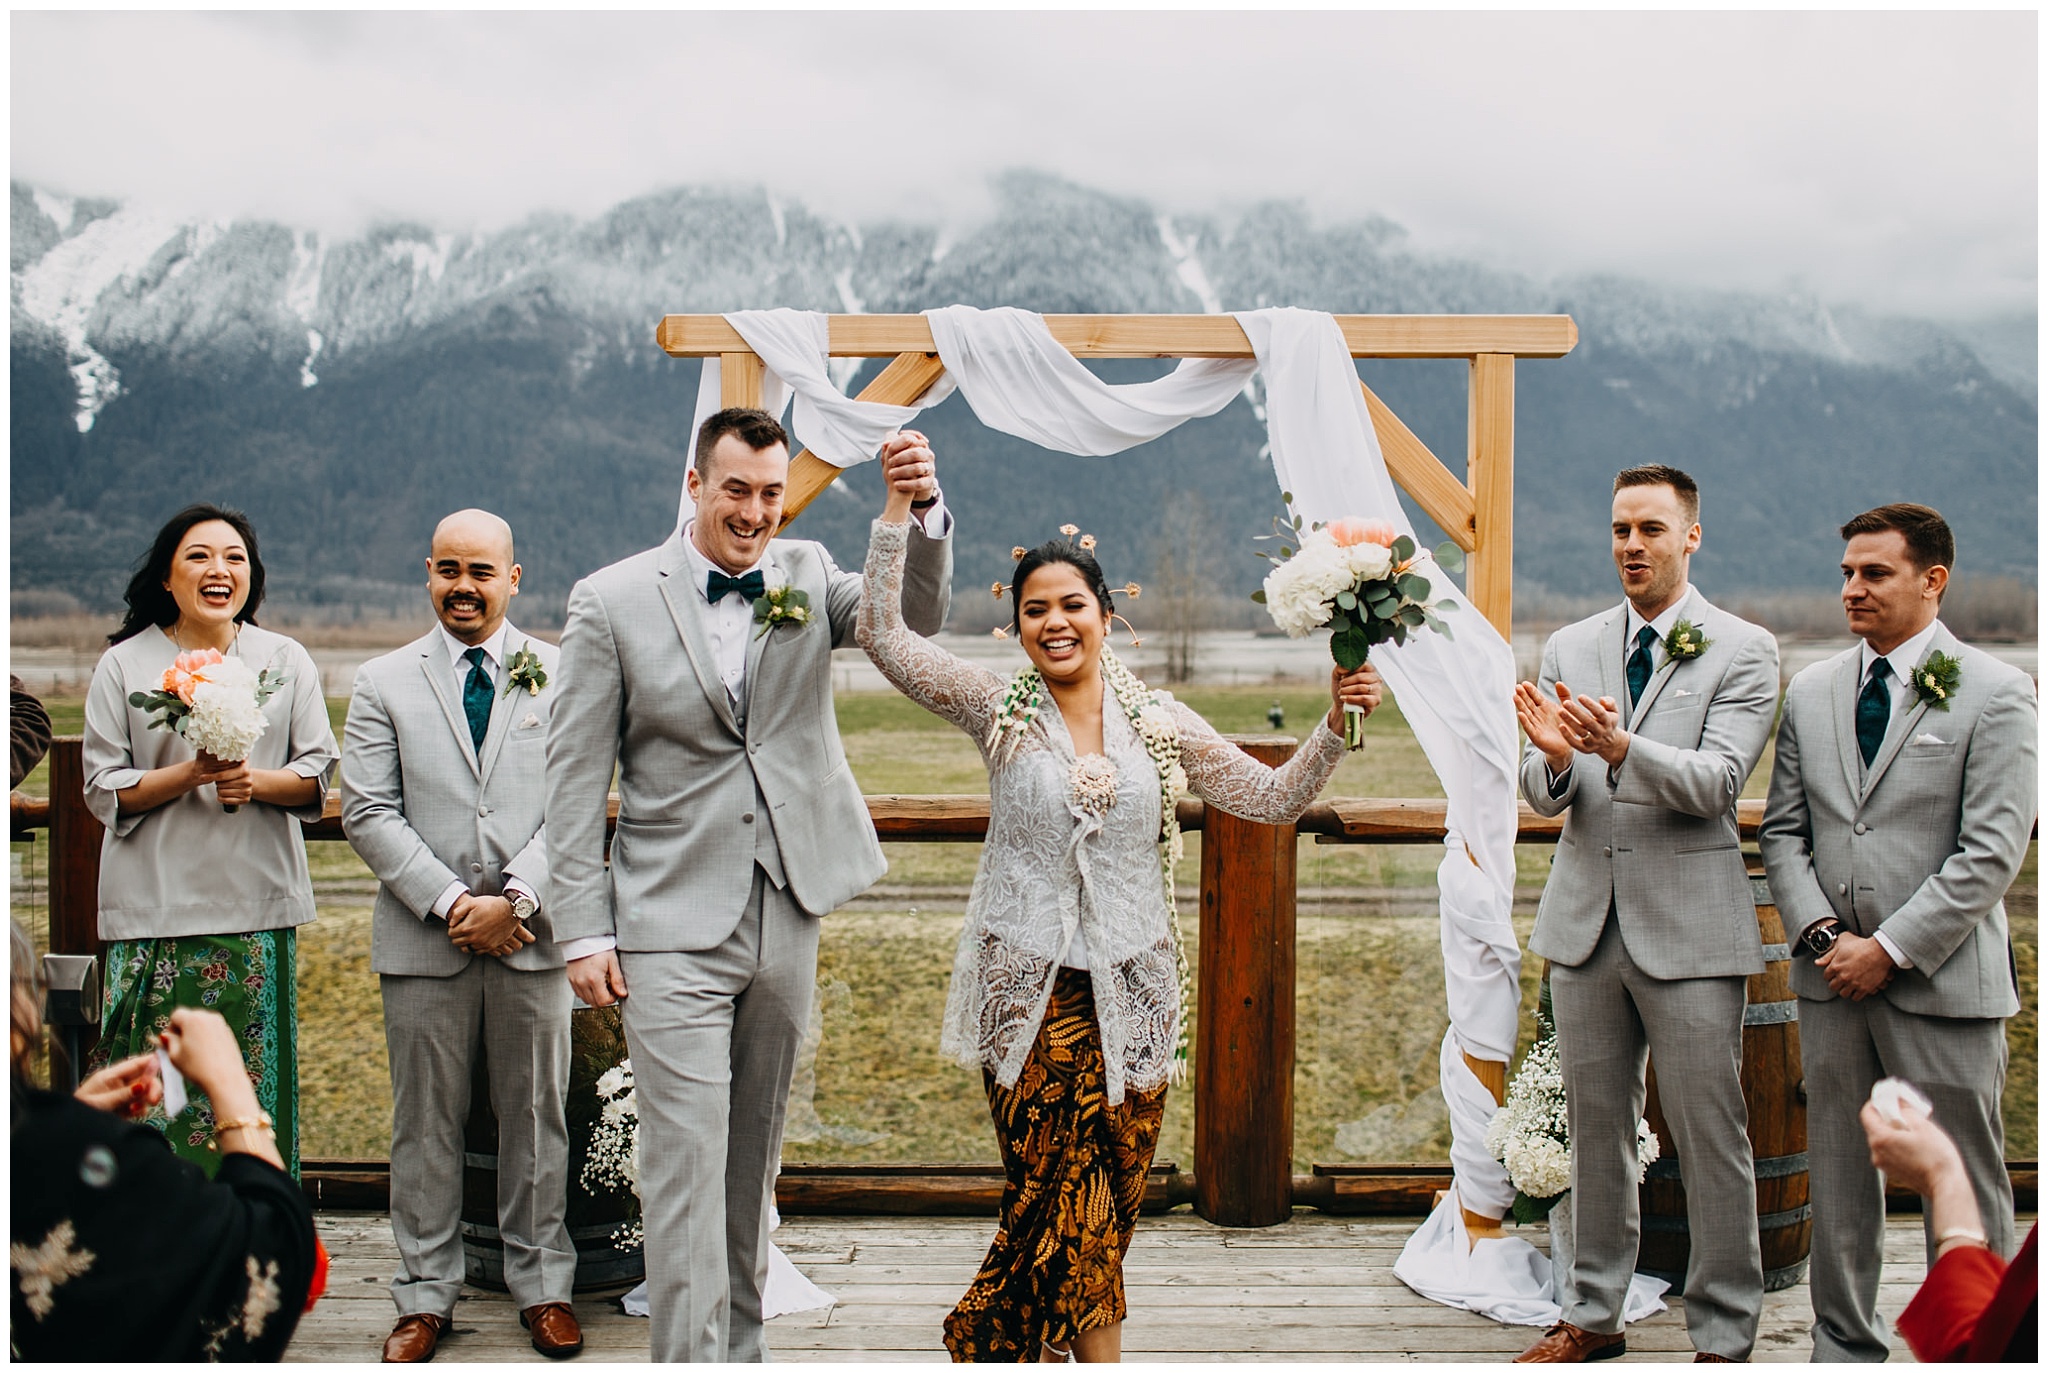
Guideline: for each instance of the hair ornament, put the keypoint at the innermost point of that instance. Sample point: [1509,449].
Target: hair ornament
[1017,553]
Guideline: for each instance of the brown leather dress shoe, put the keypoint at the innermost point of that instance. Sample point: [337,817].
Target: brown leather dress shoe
[414,1338]
[555,1332]
[1566,1343]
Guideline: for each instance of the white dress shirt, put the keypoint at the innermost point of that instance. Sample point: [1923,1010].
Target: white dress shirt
[729,622]
[494,660]
[1901,660]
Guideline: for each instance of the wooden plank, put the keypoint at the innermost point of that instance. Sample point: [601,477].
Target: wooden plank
[1244,1029]
[739,381]
[1490,467]
[900,383]
[1168,336]
[1421,473]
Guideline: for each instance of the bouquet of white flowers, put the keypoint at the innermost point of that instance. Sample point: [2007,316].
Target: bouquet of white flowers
[214,702]
[613,1162]
[1362,581]
[1530,1137]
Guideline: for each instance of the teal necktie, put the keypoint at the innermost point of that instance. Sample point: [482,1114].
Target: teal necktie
[1639,663]
[476,698]
[1874,710]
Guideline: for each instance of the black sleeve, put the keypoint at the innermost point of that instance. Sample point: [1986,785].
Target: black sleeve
[28,731]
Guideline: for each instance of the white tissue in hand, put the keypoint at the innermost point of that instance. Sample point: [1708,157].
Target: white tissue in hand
[1895,1098]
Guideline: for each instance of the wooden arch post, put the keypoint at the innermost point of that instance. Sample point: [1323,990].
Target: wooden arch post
[1245,1003]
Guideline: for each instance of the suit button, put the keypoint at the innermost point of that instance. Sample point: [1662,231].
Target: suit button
[747,819]
[1609,852]
[482,811]
[476,867]
[1841,889]
[1862,828]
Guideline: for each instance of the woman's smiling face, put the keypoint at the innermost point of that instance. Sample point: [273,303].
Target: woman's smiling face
[209,574]
[1060,623]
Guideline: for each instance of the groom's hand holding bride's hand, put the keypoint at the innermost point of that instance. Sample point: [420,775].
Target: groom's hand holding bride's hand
[598,979]
[1361,688]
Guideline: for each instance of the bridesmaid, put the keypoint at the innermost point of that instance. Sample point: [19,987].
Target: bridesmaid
[198,905]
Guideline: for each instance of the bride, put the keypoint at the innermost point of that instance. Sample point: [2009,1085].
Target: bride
[1068,982]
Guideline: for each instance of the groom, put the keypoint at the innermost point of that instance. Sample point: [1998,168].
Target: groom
[1647,918]
[690,668]
[1902,798]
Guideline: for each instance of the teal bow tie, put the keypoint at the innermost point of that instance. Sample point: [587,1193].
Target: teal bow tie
[717,585]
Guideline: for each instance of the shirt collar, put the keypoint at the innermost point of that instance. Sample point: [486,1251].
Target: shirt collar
[493,647]
[1904,658]
[702,567]
[1664,623]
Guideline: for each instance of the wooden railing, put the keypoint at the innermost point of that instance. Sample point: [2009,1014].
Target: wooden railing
[1245,1006]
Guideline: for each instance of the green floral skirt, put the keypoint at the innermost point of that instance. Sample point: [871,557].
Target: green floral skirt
[252,981]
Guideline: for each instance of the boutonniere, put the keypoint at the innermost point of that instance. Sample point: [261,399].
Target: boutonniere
[525,671]
[782,605]
[1685,642]
[1935,681]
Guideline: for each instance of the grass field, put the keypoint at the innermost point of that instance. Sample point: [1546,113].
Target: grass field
[873,1086]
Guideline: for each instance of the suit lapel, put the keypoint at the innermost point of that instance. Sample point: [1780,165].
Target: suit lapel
[1613,673]
[685,607]
[502,706]
[757,640]
[1902,729]
[435,663]
[1847,671]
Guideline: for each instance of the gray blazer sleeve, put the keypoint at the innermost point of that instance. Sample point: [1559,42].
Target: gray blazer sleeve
[1997,819]
[1705,781]
[583,750]
[530,865]
[373,806]
[1786,836]
[1536,768]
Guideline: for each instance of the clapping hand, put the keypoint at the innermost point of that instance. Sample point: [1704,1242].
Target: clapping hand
[1543,722]
[1593,725]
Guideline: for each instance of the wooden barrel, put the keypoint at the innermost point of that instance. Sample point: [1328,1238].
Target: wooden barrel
[597,1043]
[1773,1088]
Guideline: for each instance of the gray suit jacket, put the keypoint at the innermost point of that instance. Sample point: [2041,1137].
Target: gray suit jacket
[1656,841]
[642,691]
[424,811]
[1925,845]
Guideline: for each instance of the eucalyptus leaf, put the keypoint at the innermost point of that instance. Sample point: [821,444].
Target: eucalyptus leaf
[1347,600]
[1403,549]
[1414,588]
[1450,557]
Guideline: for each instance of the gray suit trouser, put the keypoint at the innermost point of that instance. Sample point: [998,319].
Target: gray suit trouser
[1960,1064]
[714,1035]
[434,1028]
[1610,1014]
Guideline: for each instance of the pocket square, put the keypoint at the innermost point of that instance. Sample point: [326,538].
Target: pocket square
[1929,740]
[529,722]
[1680,693]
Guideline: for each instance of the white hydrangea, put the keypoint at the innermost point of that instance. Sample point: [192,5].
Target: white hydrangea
[1539,1166]
[1647,1149]
[227,715]
[1300,592]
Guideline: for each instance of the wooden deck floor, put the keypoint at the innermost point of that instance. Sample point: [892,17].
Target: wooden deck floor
[1318,1288]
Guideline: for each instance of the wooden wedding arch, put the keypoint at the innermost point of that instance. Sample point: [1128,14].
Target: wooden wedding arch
[1478,513]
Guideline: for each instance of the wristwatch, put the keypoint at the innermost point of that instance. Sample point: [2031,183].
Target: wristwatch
[523,907]
[1822,936]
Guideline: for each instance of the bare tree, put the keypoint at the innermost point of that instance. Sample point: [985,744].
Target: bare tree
[1182,586]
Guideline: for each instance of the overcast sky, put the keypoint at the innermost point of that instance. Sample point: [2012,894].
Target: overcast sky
[1883,159]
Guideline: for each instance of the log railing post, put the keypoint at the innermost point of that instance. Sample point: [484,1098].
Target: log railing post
[75,837]
[1244,1026]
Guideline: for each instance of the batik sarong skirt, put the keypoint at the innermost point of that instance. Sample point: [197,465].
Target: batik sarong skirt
[1074,1174]
[252,980]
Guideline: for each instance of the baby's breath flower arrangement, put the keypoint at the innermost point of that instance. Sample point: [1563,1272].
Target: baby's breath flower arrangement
[613,1163]
[1531,1138]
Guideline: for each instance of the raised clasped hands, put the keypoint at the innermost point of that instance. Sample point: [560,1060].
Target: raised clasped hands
[1856,967]
[1570,724]
[485,924]
[910,470]
[1362,688]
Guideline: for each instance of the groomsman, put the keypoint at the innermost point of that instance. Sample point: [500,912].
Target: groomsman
[687,671]
[443,796]
[1646,722]
[1901,803]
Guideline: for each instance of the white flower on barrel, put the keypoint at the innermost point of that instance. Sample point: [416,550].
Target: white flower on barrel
[613,1162]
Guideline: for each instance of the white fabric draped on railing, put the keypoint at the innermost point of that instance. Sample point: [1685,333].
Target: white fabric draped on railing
[1455,692]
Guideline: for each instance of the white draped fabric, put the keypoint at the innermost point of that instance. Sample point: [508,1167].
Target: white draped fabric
[1455,692]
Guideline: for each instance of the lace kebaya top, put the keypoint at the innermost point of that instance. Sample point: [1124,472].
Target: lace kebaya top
[1050,867]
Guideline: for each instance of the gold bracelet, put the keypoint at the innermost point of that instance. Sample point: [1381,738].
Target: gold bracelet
[260,1121]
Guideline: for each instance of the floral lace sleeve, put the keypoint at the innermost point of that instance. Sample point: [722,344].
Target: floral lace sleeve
[949,687]
[1230,779]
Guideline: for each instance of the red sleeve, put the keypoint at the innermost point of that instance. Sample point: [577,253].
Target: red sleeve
[1943,1314]
[2011,1312]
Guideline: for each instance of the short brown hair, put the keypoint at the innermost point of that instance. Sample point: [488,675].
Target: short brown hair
[1929,540]
[757,429]
[1657,474]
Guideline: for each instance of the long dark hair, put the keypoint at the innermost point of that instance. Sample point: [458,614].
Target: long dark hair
[150,604]
[1057,551]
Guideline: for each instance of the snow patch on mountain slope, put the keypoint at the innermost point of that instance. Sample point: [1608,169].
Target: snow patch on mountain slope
[62,288]
[57,209]
[1188,267]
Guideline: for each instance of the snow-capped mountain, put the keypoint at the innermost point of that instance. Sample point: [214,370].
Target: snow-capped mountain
[356,387]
